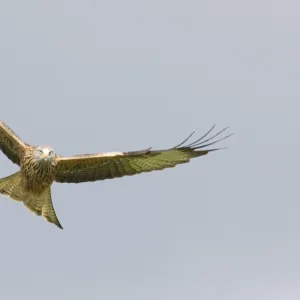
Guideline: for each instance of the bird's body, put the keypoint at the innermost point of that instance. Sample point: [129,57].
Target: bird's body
[41,166]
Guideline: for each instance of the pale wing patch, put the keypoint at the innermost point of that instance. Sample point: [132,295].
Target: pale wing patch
[89,156]
[111,154]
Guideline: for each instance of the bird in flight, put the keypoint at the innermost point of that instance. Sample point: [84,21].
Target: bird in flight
[40,166]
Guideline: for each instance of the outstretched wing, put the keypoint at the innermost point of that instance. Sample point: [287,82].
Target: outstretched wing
[10,144]
[92,167]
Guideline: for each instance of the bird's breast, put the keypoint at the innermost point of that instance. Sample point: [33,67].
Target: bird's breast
[37,175]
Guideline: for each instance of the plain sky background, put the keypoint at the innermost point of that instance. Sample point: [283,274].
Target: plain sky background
[91,76]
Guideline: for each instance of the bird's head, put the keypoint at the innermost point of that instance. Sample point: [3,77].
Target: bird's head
[44,154]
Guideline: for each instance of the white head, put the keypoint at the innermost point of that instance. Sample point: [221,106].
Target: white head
[44,154]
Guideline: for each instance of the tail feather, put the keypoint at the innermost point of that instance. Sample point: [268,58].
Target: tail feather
[38,203]
[49,212]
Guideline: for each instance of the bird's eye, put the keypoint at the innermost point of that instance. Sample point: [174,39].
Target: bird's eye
[40,151]
[51,153]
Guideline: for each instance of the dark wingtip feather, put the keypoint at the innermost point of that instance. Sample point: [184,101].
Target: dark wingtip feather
[186,139]
[59,226]
[200,143]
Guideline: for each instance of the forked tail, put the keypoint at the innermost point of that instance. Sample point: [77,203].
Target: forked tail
[39,203]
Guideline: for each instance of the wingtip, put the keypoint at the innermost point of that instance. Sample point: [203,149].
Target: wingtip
[216,149]
[59,226]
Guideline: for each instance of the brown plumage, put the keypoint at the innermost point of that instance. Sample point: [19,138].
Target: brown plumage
[40,167]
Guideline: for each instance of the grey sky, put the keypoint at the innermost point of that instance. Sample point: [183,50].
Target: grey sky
[89,76]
